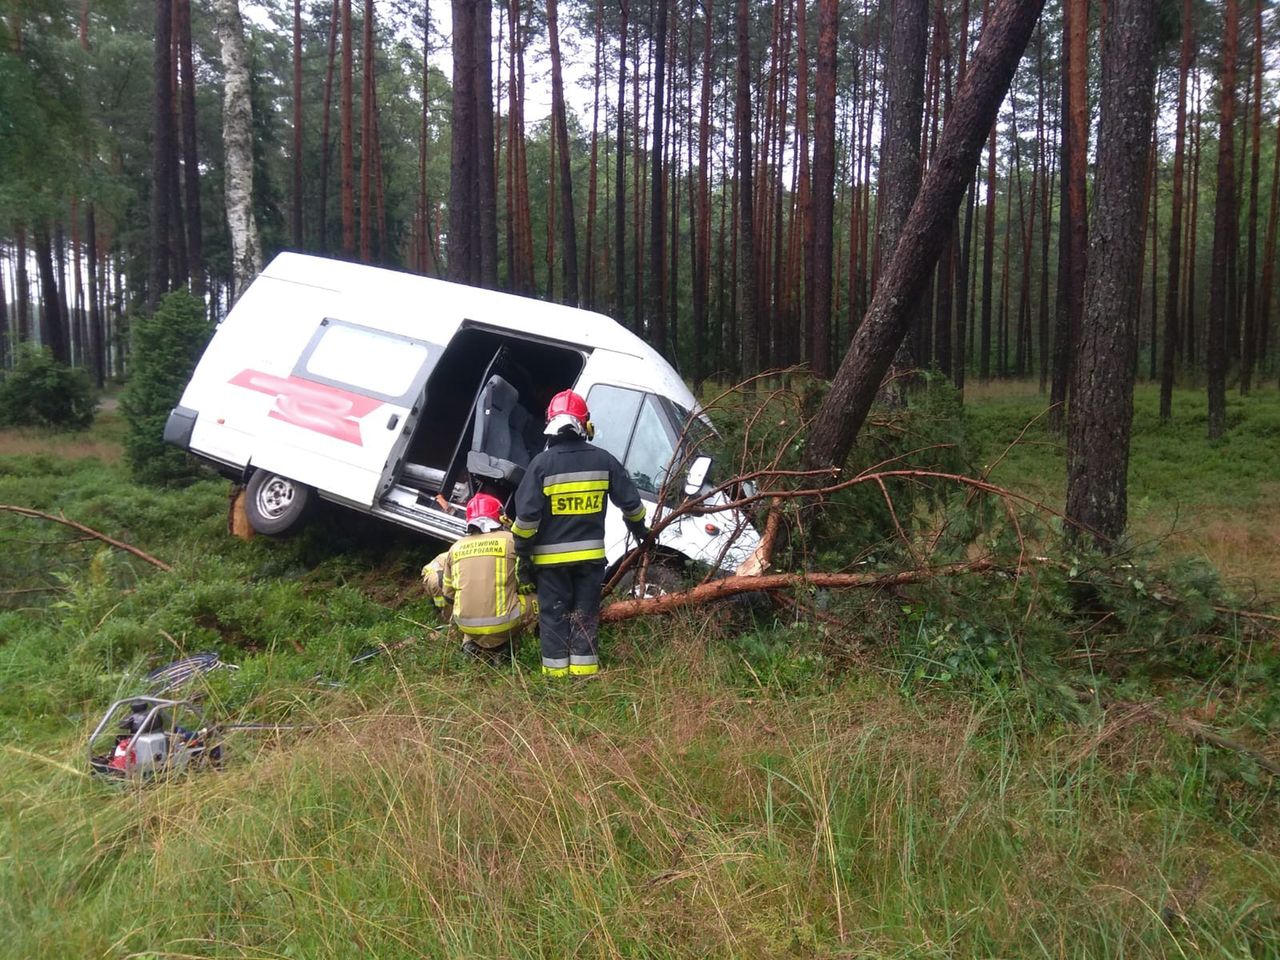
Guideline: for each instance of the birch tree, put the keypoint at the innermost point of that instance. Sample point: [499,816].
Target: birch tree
[237,141]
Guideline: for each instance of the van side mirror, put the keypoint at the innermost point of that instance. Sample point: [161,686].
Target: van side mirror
[697,475]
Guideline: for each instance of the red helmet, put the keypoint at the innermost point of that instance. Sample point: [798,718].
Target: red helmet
[484,512]
[567,409]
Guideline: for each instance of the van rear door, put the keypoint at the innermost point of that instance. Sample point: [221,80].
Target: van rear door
[345,411]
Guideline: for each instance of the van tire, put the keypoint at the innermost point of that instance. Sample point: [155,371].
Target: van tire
[274,504]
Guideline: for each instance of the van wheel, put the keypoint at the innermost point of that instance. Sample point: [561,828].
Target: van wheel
[661,577]
[275,504]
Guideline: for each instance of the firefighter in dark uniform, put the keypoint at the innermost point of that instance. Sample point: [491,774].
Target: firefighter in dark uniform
[560,508]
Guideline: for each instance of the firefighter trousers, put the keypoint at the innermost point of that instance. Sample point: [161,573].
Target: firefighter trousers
[569,617]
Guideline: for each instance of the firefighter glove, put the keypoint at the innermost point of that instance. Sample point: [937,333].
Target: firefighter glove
[526,576]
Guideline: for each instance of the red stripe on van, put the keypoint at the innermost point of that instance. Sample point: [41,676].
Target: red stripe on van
[319,407]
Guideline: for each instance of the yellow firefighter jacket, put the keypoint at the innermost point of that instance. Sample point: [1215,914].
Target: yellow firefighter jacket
[477,575]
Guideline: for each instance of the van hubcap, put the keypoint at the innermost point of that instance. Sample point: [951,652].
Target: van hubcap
[275,497]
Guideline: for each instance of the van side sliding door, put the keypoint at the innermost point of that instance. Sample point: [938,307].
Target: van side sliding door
[346,411]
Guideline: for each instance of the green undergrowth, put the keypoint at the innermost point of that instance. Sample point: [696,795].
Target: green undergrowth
[921,773]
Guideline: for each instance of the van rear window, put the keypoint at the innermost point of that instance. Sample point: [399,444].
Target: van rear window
[365,359]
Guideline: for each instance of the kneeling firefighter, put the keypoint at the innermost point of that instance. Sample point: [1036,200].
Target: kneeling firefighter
[560,509]
[475,582]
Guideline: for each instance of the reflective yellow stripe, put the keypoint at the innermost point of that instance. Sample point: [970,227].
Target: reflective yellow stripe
[583,669]
[520,530]
[569,556]
[638,515]
[555,671]
[500,585]
[576,486]
[491,629]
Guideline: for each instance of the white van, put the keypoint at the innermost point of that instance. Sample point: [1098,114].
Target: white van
[400,396]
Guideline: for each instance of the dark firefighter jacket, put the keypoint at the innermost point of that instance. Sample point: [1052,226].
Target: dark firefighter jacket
[560,504]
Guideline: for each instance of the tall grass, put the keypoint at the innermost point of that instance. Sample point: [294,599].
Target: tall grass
[725,788]
[650,814]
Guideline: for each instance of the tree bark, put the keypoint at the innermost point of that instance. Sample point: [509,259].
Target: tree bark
[53,327]
[1073,234]
[367,144]
[346,110]
[1224,227]
[822,200]
[748,308]
[486,188]
[702,234]
[1174,285]
[560,129]
[237,140]
[844,409]
[1102,383]
[325,112]
[656,308]
[1248,350]
[296,211]
[161,153]
[190,159]
[463,257]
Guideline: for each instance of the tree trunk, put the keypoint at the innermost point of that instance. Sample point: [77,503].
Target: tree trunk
[1269,253]
[748,308]
[1174,285]
[1102,383]
[161,153]
[702,233]
[367,149]
[296,210]
[190,159]
[424,262]
[347,150]
[845,407]
[988,262]
[1073,235]
[822,203]
[1224,226]
[899,154]
[486,189]
[1249,346]
[22,285]
[593,178]
[237,140]
[53,327]
[463,257]
[620,179]
[325,112]
[560,129]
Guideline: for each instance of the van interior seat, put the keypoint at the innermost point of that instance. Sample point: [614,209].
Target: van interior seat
[498,448]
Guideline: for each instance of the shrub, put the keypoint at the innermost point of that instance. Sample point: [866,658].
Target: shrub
[42,392]
[166,347]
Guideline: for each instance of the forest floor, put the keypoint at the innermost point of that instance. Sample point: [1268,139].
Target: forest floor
[728,786]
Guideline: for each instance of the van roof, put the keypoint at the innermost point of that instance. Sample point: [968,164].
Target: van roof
[452,303]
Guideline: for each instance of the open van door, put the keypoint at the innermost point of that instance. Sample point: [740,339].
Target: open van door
[339,419]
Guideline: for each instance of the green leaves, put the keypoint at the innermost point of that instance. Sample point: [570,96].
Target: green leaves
[41,392]
[165,350]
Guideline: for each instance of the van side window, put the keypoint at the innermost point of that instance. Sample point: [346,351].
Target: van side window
[365,359]
[613,411]
[652,448]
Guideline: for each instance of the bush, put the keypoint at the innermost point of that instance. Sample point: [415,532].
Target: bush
[42,392]
[166,347]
